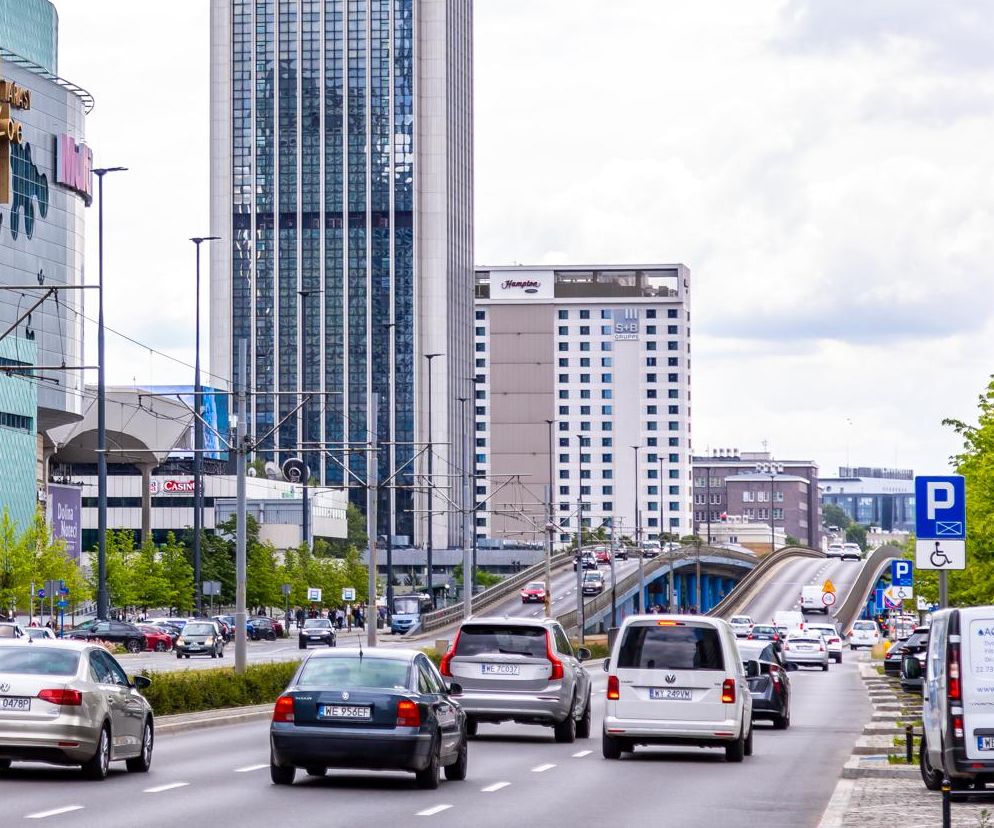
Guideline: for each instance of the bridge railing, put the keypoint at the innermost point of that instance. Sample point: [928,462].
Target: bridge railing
[873,567]
[487,598]
[747,588]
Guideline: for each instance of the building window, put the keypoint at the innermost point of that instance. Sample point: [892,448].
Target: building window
[715,500]
[564,442]
[650,441]
[652,474]
[605,313]
[585,314]
[563,346]
[674,409]
[606,330]
[563,394]
[607,425]
[650,346]
[653,490]
[584,362]
[607,362]
[481,458]
[607,506]
[674,458]
[481,442]
[674,490]
[607,490]
[672,345]
[584,393]
[778,514]
[651,409]
[481,426]
[563,330]
[563,314]
[650,313]
[584,329]
[672,330]
[607,345]
[673,362]
[607,442]
[650,377]
[651,425]
[608,474]
[585,410]
[605,378]
[606,394]
[700,500]
[564,377]
[748,497]
[650,362]
[585,425]
[481,363]
[674,442]
[607,410]
[673,394]
[651,393]
[481,315]
[481,347]
[563,458]
[650,330]
[564,490]
[564,474]
[584,346]
[585,378]
[481,394]
[564,426]
[673,425]
[564,409]
[607,458]
[564,362]
[480,331]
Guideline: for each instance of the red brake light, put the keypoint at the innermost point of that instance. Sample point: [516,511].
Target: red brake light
[728,691]
[408,714]
[775,674]
[958,727]
[556,672]
[443,666]
[953,685]
[71,698]
[749,637]
[283,711]
[613,688]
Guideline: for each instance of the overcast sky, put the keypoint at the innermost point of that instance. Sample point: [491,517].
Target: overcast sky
[824,169]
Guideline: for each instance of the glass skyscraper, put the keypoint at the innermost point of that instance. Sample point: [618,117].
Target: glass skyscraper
[341,150]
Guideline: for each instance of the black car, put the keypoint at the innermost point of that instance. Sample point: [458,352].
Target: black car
[587,561]
[892,661]
[770,689]
[915,647]
[261,628]
[766,632]
[373,710]
[316,631]
[116,632]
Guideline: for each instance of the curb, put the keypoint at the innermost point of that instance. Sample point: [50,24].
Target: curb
[184,722]
[853,769]
[838,805]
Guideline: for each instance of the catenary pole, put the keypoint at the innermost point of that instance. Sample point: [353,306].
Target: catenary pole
[241,534]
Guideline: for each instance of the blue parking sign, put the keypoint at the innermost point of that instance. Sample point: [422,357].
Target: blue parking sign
[902,573]
[940,508]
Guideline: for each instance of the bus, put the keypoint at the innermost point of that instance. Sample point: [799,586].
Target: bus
[407,611]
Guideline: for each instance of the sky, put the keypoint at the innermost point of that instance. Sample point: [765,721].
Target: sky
[824,170]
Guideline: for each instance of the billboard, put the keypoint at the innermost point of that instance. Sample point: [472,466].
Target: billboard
[215,414]
[65,511]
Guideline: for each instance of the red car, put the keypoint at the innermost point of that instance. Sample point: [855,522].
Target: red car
[156,638]
[534,592]
[603,554]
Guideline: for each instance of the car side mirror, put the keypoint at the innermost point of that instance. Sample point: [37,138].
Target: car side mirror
[141,682]
[607,665]
[582,653]
[911,667]
[752,669]
[455,688]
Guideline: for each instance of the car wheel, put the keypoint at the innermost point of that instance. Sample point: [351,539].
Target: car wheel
[583,726]
[160,647]
[456,772]
[610,747]
[748,742]
[301,645]
[566,730]
[427,779]
[143,761]
[179,654]
[317,771]
[472,727]
[97,766]
[735,751]
[824,667]
[270,636]
[781,721]
[279,774]
[930,776]
[133,646]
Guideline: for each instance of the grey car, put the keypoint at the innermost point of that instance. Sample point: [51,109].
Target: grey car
[71,703]
[806,649]
[520,670]
[200,637]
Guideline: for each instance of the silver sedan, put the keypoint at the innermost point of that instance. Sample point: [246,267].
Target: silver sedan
[806,649]
[71,703]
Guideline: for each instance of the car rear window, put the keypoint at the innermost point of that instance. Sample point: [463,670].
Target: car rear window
[671,648]
[38,661]
[7,631]
[507,639]
[864,625]
[353,671]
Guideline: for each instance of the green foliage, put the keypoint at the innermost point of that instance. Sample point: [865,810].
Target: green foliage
[357,536]
[189,691]
[483,578]
[792,541]
[856,534]
[834,515]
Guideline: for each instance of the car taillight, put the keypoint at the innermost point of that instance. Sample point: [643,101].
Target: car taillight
[958,727]
[786,646]
[283,711]
[71,698]
[613,688]
[556,671]
[953,689]
[749,637]
[728,691]
[821,648]
[775,674]
[408,714]
[443,666]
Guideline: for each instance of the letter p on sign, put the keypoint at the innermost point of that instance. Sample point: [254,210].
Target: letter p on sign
[940,496]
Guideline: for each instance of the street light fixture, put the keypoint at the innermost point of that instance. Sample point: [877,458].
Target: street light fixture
[101,406]
[638,533]
[198,445]
[771,470]
[431,483]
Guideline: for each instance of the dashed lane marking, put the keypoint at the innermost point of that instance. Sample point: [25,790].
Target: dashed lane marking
[249,768]
[542,768]
[171,786]
[582,753]
[495,787]
[432,811]
[55,812]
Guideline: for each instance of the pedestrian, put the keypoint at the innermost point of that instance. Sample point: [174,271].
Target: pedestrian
[300,616]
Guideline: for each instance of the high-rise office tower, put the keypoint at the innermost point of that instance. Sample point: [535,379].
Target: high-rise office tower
[342,183]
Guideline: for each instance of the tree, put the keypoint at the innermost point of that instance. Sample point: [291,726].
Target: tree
[834,515]
[357,537]
[177,571]
[16,565]
[150,587]
[856,534]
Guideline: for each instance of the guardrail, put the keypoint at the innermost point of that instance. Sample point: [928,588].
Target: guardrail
[746,589]
[686,554]
[438,619]
[873,567]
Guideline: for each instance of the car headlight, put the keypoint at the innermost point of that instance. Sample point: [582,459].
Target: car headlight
[209,639]
[180,641]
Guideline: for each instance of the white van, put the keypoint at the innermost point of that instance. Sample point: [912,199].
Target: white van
[811,596]
[677,680]
[958,698]
[788,620]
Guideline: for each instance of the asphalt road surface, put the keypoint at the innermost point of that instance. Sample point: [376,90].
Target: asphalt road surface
[220,777]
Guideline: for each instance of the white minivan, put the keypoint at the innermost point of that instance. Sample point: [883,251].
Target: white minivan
[677,680]
[958,698]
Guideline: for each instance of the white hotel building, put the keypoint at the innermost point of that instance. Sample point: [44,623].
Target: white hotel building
[575,366]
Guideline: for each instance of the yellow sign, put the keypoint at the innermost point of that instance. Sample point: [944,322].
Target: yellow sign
[828,586]
[11,95]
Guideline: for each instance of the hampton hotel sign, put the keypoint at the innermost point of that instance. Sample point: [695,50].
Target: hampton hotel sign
[538,284]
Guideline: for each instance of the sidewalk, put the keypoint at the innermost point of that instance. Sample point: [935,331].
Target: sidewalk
[874,791]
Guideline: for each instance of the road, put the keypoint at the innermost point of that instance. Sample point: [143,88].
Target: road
[220,776]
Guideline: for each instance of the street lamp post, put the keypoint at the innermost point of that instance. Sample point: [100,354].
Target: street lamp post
[467,569]
[772,470]
[549,526]
[431,483]
[101,406]
[638,533]
[198,445]
[579,560]
[391,498]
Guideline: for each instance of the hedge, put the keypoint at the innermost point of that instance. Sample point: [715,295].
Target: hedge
[191,691]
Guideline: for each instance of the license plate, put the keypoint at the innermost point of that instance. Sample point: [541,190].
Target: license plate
[315,638]
[342,711]
[985,743]
[670,694]
[500,669]
[14,703]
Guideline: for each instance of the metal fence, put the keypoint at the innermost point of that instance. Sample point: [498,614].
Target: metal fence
[746,589]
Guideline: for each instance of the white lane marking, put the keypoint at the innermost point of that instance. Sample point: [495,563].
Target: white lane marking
[55,812]
[432,811]
[582,753]
[248,768]
[169,787]
[542,768]
[495,787]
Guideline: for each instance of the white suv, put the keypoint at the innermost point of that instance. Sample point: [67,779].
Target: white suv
[677,680]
